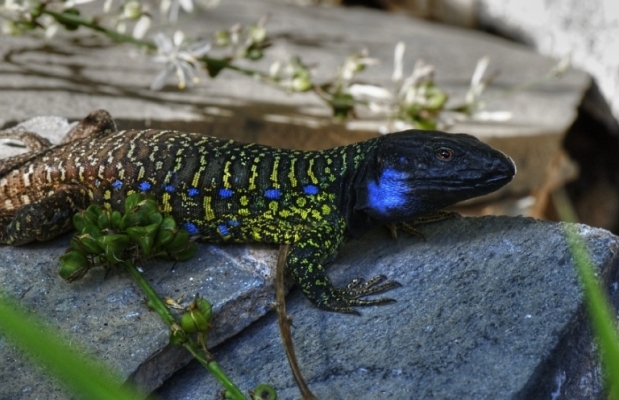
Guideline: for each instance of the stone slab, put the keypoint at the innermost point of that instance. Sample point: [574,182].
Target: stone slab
[589,31]
[490,308]
[108,315]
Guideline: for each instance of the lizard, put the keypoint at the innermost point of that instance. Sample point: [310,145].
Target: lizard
[224,191]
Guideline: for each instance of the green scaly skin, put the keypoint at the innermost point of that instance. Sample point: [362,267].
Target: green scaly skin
[224,191]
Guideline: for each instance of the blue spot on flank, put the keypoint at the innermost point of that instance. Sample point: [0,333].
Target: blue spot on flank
[223,230]
[310,190]
[193,192]
[117,184]
[97,182]
[389,192]
[272,194]
[225,193]
[169,188]
[191,228]
[145,186]
[233,222]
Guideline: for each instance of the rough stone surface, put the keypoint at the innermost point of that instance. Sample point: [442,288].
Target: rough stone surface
[72,77]
[589,31]
[107,315]
[489,309]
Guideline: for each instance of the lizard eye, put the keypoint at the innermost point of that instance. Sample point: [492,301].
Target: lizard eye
[445,154]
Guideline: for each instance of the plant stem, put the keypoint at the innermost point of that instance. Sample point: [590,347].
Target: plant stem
[204,358]
[72,19]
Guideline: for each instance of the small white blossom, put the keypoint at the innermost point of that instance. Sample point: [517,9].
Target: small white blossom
[355,63]
[179,59]
[477,83]
[140,28]
[496,116]
[373,91]
[18,9]
[398,63]
[208,3]
[171,7]
[132,10]
[562,66]
[73,3]
[107,6]
[293,76]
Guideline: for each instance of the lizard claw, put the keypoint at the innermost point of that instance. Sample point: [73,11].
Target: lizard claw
[343,300]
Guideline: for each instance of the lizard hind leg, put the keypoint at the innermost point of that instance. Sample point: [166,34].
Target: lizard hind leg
[42,220]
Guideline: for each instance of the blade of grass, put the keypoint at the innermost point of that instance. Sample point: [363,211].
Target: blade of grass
[600,310]
[84,377]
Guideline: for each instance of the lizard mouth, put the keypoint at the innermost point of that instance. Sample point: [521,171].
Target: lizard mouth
[473,186]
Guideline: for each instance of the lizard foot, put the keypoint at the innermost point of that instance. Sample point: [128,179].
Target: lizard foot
[345,299]
[409,226]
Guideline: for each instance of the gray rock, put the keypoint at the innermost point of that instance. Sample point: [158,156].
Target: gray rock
[50,127]
[586,30]
[108,317]
[490,308]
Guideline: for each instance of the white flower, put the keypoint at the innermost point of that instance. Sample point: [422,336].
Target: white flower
[178,59]
[73,3]
[18,10]
[355,63]
[140,28]
[171,8]
[398,64]
[477,84]
[562,66]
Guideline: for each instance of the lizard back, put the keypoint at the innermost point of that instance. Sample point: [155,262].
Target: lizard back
[220,190]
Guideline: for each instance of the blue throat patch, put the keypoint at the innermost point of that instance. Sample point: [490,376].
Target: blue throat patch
[389,192]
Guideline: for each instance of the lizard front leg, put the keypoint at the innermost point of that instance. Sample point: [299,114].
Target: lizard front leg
[305,264]
[98,122]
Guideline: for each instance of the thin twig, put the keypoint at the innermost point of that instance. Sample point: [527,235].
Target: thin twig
[284,324]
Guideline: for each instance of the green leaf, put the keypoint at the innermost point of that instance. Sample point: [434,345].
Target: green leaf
[214,66]
[62,359]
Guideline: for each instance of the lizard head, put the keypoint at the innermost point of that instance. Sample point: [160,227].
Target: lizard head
[413,173]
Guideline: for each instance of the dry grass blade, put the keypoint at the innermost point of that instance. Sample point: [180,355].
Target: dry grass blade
[284,324]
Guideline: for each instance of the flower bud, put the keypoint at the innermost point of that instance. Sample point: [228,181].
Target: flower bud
[193,321]
[177,337]
[263,392]
[73,265]
[167,231]
[113,246]
[144,236]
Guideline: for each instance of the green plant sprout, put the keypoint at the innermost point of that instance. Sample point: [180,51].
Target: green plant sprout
[414,101]
[106,238]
